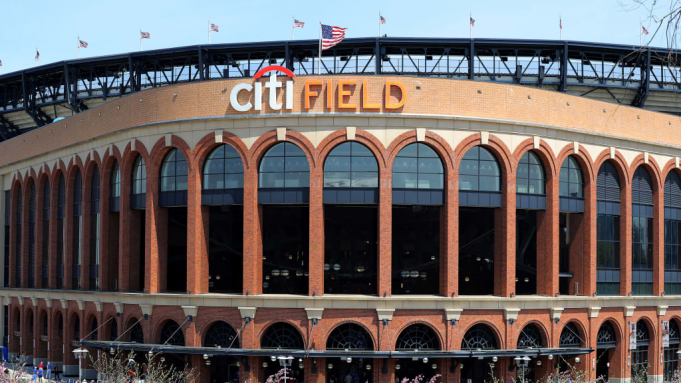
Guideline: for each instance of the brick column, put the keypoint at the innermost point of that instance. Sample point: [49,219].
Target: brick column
[24,234]
[125,218]
[548,234]
[385,224]
[40,251]
[504,243]
[54,226]
[316,230]
[449,238]
[589,229]
[85,240]
[625,241]
[252,268]
[156,244]
[658,242]
[197,233]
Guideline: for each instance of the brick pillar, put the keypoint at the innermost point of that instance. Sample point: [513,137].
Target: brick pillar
[197,234]
[449,239]
[548,234]
[590,228]
[54,226]
[12,239]
[504,243]
[156,239]
[385,224]
[125,219]
[658,242]
[252,268]
[40,251]
[85,240]
[578,252]
[316,251]
[24,235]
[26,338]
[625,241]
[68,236]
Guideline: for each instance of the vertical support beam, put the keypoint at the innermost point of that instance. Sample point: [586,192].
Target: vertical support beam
[316,229]
[563,68]
[625,240]
[385,222]
[3,208]
[377,55]
[288,53]
[203,72]
[67,84]
[589,230]
[197,234]
[252,280]
[471,61]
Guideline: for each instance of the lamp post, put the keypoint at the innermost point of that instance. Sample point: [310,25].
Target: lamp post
[80,354]
[285,362]
[522,362]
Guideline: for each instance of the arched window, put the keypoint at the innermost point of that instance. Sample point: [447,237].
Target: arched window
[417,337]
[221,334]
[606,336]
[671,360]
[31,236]
[479,179]
[61,233]
[172,334]
[608,230]
[43,320]
[18,236]
[137,333]
[530,175]
[283,336]
[642,187]
[115,188]
[223,177]
[571,180]
[418,168]
[78,194]
[672,234]
[530,337]
[479,336]
[350,165]
[569,337]
[46,237]
[76,327]
[77,239]
[139,184]
[349,336]
[608,183]
[284,166]
[639,356]
[113,329]
[60,325]
[94,329]
[173,179]
[94,192]
[642,232]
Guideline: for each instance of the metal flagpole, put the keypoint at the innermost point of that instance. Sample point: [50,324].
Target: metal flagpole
[208,31]
[640,34]
[470,24]
[78,48]
[293,27]
[560,25]
[379,23]
[319,61]
[140,39]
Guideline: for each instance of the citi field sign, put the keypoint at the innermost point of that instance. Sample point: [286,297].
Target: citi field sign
[311,90]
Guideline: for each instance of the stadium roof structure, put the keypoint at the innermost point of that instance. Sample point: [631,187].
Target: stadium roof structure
[643,77]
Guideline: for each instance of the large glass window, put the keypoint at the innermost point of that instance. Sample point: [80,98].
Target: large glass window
[31,236]
[61,231]
[94,231]
[571,181]
[639,356]
[608,230]
[351,165]
[417,166]
[18,236]
[174,172]
[76,243]
[526,252]
[285,249]
[139,176]
[416,249]
[224,169]
[476,251]
[225,249]
[530,175]
[642,232]
[479,171]
[672,231]
[284,166]
[671,359]
[115,181]
[8,204]
[45,266]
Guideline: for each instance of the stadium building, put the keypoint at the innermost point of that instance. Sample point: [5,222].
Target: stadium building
[422,206]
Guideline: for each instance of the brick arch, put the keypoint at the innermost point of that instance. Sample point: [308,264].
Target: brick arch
[26,316]
[501,152]
[439,336]
[581,331]
[128,159]
[206,327]
[652,328]
[269,139]
[619,331]
[158,154]
[495,331]
[543,332]
[653,169]
[126,323]
[106,326]
[282,320]
[620,164]
[583,159]
[362,136]
[156,332]
[355,322]
[435,141]
[669,167]
[206,145]
[544,153]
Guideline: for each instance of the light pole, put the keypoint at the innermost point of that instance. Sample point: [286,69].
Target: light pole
[80,354]
[285,361]
[522,362]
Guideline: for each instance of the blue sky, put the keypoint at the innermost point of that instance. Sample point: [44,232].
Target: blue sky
[112,27]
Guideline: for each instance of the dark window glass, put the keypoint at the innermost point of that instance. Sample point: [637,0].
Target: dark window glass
[417,166]
[284,166]
[672,250]
[77,240]
[571,181]
[177,250]
[7,224]
[174,172]
[670,358]
[642,187]
[61,232]
[416,249]
[115,180]
[639,356]
[608,183]
[76,328]
[608,251]
[476,251]
[526,252]
[351,165]
[224,169]
[46,236]
[285,249]
[31,236]
[642,251]
[672,190]
[139,176]
[94,232]
[479,171]
[530,175]
[225,249]
[18,236]
[350,251]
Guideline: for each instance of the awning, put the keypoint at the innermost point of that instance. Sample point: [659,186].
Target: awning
[216,351]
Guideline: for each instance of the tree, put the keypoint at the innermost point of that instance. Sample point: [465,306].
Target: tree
[121,367]
[661,16]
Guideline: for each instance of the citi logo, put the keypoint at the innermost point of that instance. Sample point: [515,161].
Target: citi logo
[273,85]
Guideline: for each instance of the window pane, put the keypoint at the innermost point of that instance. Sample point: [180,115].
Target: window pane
[181,183]
[337,179]
[431,181]
[564,190]
[297,180]
[430,165]
[215,166]
[472,154]
[234,165]
[361,150]
[523,171]
[337,164]
[576,190]
[168,184]
[469,167]
[564,175]
[342,150]
[213,181]
[271,180]
[234,181]
[276,150]
[168,169]
[426,151]
[489,168]
[536,172]
[490,184]
[364,180]
[181,168]
[522,187]
[404,181]
[408,151]
[296,164]
[272,165]
[536,187]
[293,150]
[468,183]
[364,164]
[403,165]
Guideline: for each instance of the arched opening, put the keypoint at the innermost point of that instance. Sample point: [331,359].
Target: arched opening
[530,212]
[283,195]
[6,249]
[173,197]
[41,344]
[571,223]
[418,196]
[114,228]
[670,331]
[30,336]
[223,368]
[282,337]
[16,333]
[608,230]
[32,202]
[61,231]
[137,228]
[569,338]
[606,345]
[349,337]
[479,203]
[113,329]
[45,259]
[639,356]
[672,231]
[77,233]
[350,220]
[642,232]
[136,333]
[530,338]
[95,226]
[417,338]
[18,236]
[171,334]
[479,337]
[223,198]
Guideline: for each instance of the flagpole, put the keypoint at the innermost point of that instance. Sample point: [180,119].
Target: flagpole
[208,31]
[293,27]
[140,39]
[379,24]
[640,34]
[560,24]
[78,48]
[470,24]
[319,61]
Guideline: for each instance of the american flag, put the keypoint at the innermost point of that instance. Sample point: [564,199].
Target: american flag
[82,44]
[144,35]
[331,36]
[472,22]
[644,30]
[214,28]
[382,19]
[37,55]
[298,23]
